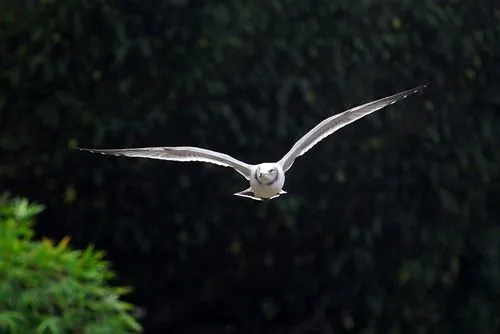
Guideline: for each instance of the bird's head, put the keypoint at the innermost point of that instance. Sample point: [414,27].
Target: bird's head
[267,173]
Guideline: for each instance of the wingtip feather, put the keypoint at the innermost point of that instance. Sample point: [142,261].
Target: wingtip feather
[423,86]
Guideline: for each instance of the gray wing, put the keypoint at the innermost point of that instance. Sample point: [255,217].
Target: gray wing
[180,153]
[334,123]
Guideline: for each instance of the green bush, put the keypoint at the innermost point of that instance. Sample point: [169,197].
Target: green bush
[50,288]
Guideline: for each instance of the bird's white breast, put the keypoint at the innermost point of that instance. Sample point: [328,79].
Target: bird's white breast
[267,190]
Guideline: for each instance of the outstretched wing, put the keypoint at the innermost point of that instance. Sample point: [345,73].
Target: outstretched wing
[334,123]
[180,153]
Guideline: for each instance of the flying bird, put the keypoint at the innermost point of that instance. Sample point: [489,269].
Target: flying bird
[266,179]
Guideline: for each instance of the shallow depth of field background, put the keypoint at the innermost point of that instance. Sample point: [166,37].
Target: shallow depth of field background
[391,225]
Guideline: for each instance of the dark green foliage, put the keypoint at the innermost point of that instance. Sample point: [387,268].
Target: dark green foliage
[389,226]
[50,288]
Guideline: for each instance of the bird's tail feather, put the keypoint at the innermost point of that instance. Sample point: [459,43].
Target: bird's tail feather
[248,193]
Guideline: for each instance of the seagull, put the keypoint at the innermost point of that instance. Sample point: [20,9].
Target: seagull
[266,179]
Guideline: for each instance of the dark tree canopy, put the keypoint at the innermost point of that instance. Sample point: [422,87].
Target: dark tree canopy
[389,226]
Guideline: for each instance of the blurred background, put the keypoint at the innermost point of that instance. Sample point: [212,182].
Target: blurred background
[391,225]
